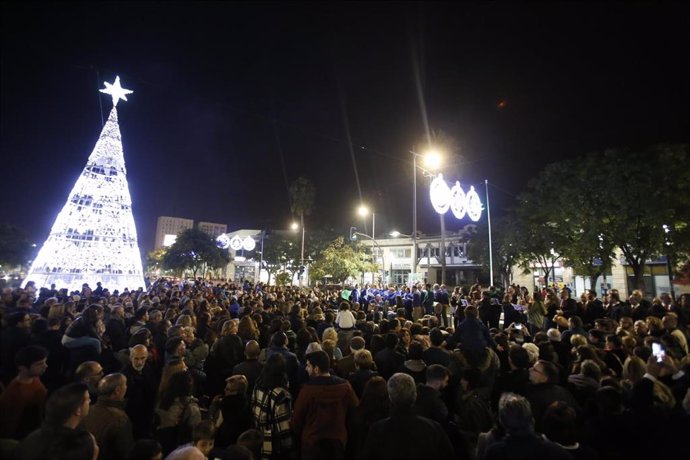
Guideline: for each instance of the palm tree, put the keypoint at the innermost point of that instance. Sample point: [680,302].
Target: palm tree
[302,197]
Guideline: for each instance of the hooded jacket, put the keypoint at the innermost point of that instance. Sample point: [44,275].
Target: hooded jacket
[321,412]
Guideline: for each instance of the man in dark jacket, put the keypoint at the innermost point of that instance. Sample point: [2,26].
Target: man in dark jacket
[12,338]
[389,361]
[141,391]
[405,435]
[429,403]
[62,428]
[471,333]
[321,409]
[116,329]
[279,344]
[346,365]
[250,367]
[544,376]
[107,419]
[520,442]
[594,309]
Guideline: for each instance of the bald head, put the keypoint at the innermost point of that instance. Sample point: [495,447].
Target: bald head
[89,372]
[138,355]
[113,386]
[186,453]
[252,349]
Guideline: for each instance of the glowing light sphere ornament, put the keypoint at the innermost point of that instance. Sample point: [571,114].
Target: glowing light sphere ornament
[94,237]
[455,199]
[223,241]
[236,243]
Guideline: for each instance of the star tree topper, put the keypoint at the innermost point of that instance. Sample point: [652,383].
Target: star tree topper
[116,91]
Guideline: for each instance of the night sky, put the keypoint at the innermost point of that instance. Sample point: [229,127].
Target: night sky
[222,91]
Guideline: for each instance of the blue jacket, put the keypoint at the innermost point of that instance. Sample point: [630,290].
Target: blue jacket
[471,334]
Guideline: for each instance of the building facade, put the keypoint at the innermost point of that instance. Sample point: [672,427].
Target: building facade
[394,255]
[167,229]
[215,230]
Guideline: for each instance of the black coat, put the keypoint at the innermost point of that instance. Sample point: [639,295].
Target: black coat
[117,331]
[404,435]
[359,378]
[543,394]
[388,362]
[526,447]
[251,369]
[140,399]
[237,418]
[58,359]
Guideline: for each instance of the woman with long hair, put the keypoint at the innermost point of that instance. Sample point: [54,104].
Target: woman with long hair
[226,353]
[177,413]
[272,409]
[247,329]
[536,310]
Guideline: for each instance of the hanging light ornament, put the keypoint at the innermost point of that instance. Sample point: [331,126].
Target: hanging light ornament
[455,199]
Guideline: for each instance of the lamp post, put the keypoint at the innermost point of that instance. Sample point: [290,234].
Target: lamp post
[488,214]
[295,226]
[431,160]
[669,264]
[363,211]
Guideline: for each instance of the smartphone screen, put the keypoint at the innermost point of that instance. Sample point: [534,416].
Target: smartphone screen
[658,352]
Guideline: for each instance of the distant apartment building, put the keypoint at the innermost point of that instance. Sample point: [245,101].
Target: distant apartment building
[215,230]
[167,229]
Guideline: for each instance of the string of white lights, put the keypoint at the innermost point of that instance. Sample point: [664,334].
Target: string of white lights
[94,237]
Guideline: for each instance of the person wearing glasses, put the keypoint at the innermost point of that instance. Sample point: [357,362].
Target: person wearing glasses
[543,389]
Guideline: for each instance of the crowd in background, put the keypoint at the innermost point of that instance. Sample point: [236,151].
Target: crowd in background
[199,369]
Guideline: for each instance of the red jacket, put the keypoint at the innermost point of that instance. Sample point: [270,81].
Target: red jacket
[321,413]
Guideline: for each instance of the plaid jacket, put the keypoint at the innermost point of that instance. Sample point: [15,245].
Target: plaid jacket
[271,412]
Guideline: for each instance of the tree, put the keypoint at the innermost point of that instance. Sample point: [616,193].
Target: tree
[636,200]
[194,250]
[587,249]
[15,248]
[505,254]
[646,190]
[540,223]
[154,260]
[302,198]
[93,237]
[341,260]
[281,255]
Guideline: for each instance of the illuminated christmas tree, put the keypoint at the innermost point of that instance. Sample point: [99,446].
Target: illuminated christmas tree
[94,237]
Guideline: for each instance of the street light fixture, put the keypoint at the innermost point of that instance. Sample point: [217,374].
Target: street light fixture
[295,226]
[432,160]
[669,265]
[363,211]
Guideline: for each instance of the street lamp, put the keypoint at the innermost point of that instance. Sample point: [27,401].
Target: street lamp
[432,161]
[669,264]
[295,226]
[363,211]
[396,234]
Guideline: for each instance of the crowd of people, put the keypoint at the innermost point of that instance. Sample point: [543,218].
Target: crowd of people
[199,369]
